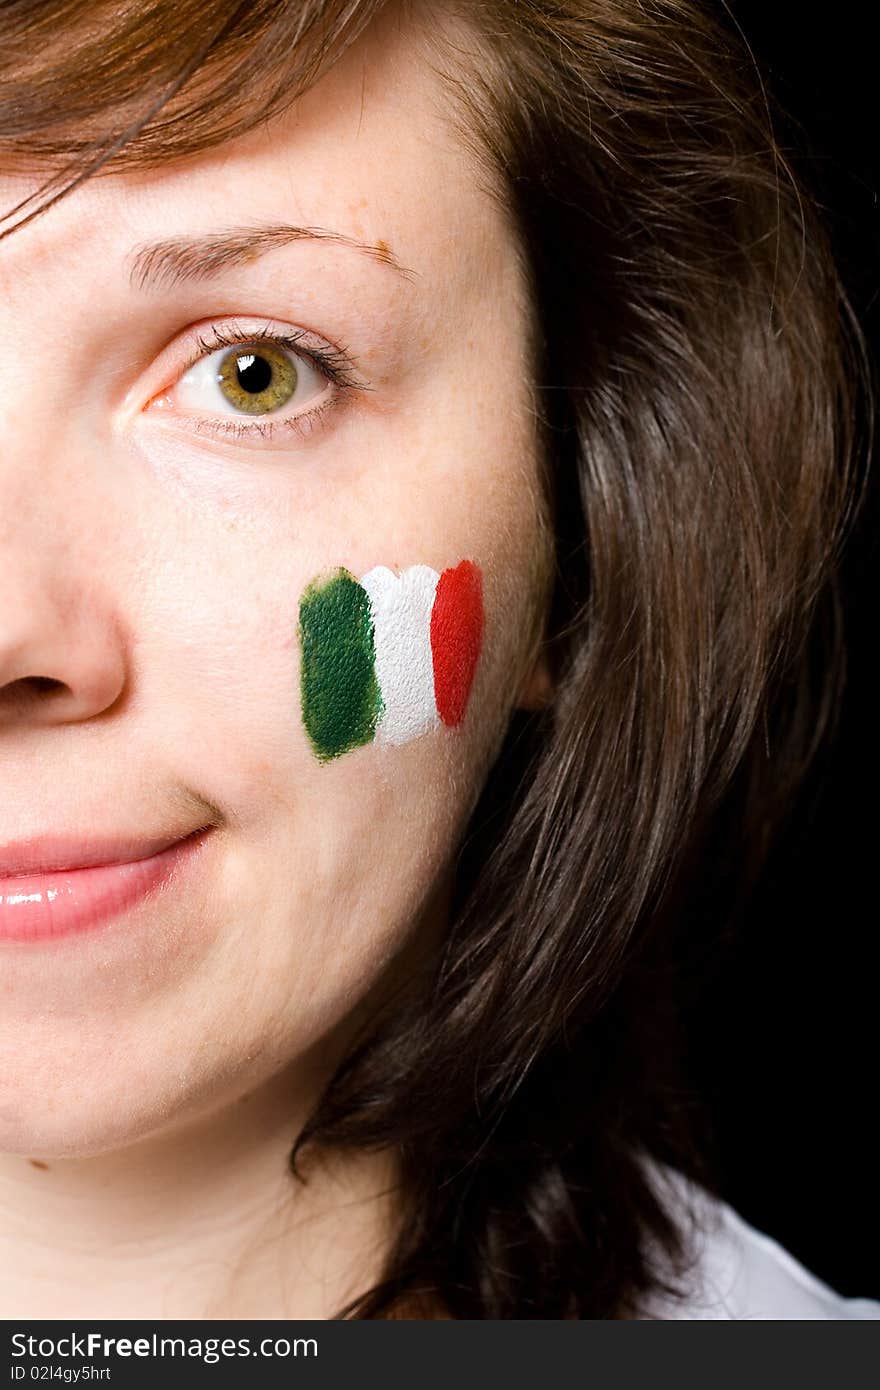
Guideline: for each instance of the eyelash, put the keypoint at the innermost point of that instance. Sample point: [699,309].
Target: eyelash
[334,363]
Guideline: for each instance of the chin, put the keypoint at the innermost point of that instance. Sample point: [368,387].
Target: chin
[64,1134]
[78,1118]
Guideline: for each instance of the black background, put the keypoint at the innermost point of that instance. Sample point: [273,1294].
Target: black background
[785,1041]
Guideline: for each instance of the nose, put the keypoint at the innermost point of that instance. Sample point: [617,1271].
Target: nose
[61,654]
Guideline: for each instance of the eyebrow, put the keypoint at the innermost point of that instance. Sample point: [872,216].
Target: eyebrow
[183,260]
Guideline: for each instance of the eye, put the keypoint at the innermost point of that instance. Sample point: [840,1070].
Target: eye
[253,378]
[262,380]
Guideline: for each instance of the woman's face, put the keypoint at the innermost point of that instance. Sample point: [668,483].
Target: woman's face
[159,586]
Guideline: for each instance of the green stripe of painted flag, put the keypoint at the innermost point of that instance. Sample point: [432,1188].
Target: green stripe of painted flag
[342,702]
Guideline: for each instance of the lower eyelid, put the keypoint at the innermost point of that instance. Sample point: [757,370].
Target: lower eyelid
[302,425]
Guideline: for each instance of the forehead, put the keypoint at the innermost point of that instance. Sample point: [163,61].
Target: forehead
[371,151]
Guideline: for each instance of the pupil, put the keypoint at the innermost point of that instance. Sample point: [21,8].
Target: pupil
[255,374]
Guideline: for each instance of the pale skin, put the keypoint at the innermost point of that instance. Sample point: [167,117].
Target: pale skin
[154,1075]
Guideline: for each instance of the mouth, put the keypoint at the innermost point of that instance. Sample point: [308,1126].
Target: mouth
[52,888]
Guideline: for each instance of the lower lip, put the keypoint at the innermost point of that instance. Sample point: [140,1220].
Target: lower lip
[68,902]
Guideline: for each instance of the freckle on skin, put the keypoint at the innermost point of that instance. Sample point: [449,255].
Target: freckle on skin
[38,1164]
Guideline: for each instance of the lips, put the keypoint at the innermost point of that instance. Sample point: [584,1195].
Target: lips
[60,887]
[51,852]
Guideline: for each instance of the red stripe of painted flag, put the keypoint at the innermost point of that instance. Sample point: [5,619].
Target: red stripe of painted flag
[456,638]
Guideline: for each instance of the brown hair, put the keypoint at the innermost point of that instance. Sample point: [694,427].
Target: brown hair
[698,377]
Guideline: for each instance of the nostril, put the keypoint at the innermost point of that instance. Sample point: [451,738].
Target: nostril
[37,685]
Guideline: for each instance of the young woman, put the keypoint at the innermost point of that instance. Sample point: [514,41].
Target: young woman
[428,434]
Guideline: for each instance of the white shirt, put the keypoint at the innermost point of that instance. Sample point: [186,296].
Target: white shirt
[737,1272]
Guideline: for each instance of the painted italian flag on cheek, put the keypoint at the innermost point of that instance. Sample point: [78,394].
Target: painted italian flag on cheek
[388,657]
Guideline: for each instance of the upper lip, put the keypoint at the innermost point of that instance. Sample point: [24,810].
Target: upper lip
[47,853]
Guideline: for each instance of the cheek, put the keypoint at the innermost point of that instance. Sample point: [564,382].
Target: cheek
[387,657]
